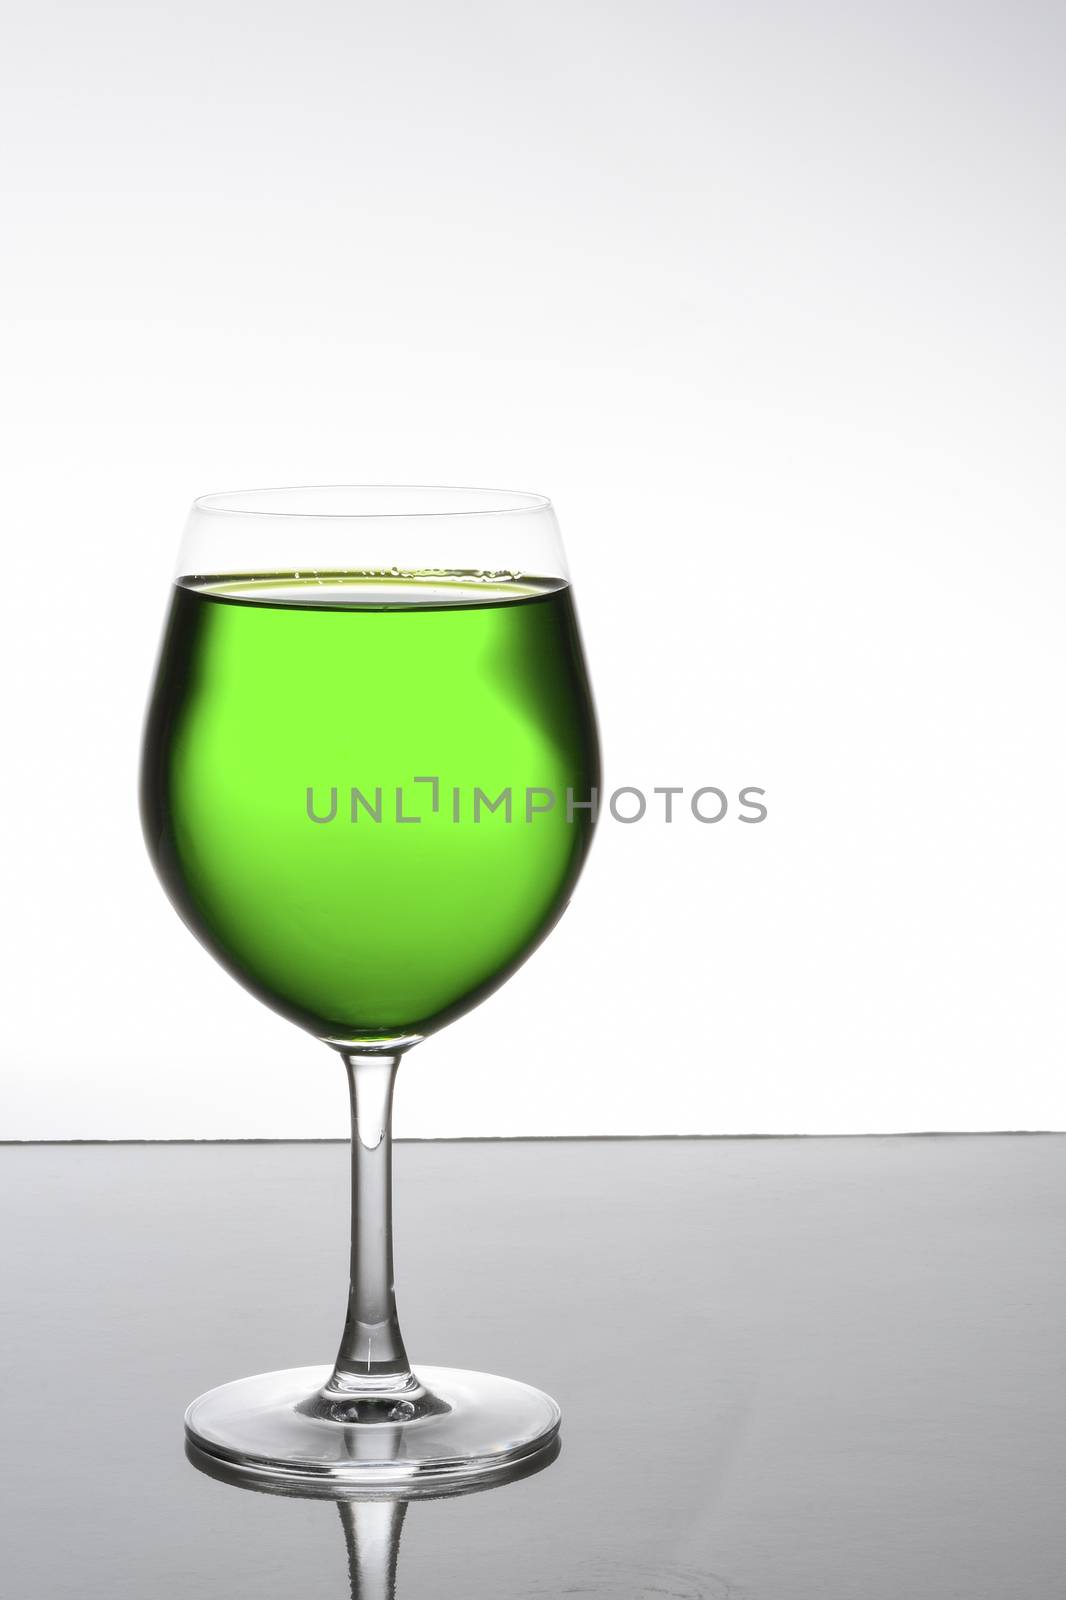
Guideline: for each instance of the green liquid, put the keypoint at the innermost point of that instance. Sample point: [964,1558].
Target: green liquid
[268,686]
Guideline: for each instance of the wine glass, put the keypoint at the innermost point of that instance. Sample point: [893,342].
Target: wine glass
[369,785]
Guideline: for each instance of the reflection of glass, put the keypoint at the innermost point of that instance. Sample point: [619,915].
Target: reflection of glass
[372,1525]
[338,663]
[372,1531]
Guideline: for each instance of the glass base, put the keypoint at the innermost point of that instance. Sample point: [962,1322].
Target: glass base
[468,1427]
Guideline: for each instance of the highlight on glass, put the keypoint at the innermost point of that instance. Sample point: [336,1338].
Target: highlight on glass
[330,653]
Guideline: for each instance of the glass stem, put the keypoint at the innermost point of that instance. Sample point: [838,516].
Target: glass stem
[372,1534]
[371,1356]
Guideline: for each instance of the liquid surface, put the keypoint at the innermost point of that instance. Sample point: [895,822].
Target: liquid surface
[364,925]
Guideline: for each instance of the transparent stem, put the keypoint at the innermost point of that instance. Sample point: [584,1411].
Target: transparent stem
[372,1535]
[371,1356]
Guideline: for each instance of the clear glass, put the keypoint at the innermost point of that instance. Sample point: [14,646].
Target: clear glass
[369,784]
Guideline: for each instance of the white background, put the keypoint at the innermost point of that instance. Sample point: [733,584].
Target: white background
[769,299]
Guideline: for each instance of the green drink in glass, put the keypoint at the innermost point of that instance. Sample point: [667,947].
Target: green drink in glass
[369,798]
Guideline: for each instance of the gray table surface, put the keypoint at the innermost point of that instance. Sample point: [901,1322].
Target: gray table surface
[788,1368]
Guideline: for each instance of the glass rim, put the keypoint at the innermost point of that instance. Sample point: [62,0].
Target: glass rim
[479,502]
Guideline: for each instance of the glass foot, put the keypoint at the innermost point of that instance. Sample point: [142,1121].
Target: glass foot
[453,1426]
